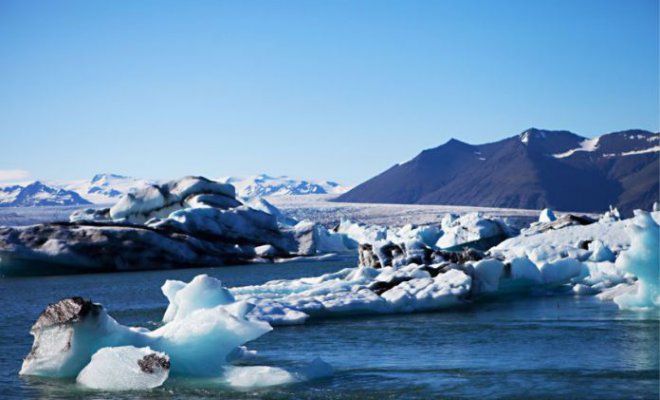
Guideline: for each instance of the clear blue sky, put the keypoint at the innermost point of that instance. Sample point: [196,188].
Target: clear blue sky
[315,89]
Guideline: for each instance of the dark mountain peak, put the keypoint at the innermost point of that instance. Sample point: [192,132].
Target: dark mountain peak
[547,142]
[455,142]
[545,134]
[35,185]
[537,168]
[629,141]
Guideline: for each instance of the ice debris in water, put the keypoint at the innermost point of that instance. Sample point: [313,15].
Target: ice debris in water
[204,328]
[389,279]
[126,367]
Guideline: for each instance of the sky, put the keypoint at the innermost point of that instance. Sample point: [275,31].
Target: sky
[338,90]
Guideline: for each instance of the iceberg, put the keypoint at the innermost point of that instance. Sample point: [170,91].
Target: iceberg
[642,259]
[198,336]
[203,331]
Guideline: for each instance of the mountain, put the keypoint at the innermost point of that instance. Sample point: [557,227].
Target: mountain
[106,188]
[37,194]
[535,169]
[8,194]
[265,185]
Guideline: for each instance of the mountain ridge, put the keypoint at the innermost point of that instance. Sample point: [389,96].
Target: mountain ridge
[534,169]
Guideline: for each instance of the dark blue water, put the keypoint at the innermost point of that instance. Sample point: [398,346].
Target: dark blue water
[554,347]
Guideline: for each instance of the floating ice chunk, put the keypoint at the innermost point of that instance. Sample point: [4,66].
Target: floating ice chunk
[204,326]
[643,260]
[202,292]
[547,215]
[442,291]
[258,376]
[264,376]
[125,368]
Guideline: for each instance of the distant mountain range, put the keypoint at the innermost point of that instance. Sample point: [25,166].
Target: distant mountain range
[265,185]
[535,169]
[108,188]
[38,194]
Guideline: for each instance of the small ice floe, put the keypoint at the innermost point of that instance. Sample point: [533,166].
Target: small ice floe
[264,376]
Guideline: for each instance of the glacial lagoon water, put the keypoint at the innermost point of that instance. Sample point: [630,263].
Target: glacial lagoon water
[546,346]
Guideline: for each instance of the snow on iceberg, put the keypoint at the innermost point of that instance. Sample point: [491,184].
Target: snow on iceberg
[125,368]
[471,230]
[158,201]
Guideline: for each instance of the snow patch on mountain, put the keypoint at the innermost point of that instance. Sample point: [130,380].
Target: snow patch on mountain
[106,188]
[8,194]
[588,145]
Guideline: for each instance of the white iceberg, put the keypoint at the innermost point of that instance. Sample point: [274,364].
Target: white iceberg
[204,330]
[642,259]
[200,334]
